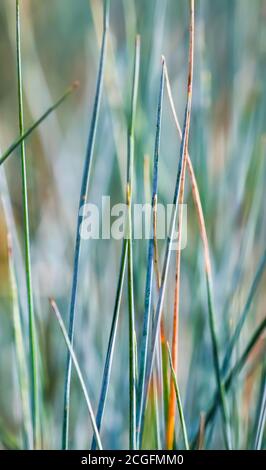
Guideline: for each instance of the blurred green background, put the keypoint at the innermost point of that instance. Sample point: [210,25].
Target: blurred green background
[60,43]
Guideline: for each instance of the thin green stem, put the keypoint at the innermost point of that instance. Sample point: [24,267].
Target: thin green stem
[82,201]
[80,376]
[111,342]
[20,350]
[165,270]
[220,385]
[232,374]
[149,273]
[32,329]
[178,400]
[28,131]
[132,335]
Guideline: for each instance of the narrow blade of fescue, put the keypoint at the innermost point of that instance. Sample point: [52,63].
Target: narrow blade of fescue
[184,144]
[18,334]
[243,316]
[32,329]
[178,400]
[20,350]
[26,133]
[82,200]
[79,373]
[175,326]
[172,404]
[194,184]
[220,385]
[111,342]
[149,272]
[231,375]
[163,370]
[130,166]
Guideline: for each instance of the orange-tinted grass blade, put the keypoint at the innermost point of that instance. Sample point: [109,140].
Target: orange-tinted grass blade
[172,402]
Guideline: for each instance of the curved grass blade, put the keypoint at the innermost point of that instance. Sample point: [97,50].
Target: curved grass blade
[184,144]
[149,275]
[232,374]
[242,319]
[79,373]
[220,385]
[178,399]
[132,345]
[32,328]
[82,200]
[172,402]
[111,342]
[26,133]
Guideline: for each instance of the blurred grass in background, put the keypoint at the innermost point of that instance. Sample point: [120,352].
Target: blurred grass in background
[60,43]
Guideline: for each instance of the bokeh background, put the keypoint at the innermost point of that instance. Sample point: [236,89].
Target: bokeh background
[60,43]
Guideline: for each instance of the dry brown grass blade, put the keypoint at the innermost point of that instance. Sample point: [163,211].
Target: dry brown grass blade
[193,181]
[172,399]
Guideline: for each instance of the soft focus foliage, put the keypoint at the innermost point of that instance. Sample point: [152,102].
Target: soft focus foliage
[60,43]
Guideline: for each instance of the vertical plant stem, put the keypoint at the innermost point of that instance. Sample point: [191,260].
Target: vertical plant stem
[163,343]
[130,163]
[184,144]
[172,403]
[220,385]
[232,374]
[20,350]
[79,373]
[30,129]
[178,399]
[149,275]
[111,342]
[82,200]
[32,329]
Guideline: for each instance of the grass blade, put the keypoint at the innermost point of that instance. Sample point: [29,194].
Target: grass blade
[20,346]
[232,374]
[32,328]
[163,343]
[260,424]
[184,144]
[82,200]
[112,336]
[220,385]
[202,226]
[132,355]
[178,399]
[26,133]
[80,376]
[111,342]
[244,314]
[20,350]
[172,403]
[149,274]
